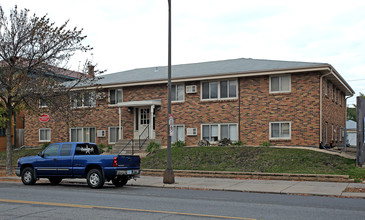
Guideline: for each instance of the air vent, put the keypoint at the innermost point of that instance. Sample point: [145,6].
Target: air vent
[191,89]
[100,133]
[191,131]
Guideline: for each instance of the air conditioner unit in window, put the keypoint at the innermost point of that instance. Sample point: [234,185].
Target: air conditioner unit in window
[191,89]
[100,133]
[191,131]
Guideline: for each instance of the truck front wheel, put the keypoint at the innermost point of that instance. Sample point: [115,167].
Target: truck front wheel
[95,179]
[28,177]
[120,181]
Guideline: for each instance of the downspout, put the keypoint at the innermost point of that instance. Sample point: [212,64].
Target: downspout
[320,105]
[120,124]
[345,136]
[239,109]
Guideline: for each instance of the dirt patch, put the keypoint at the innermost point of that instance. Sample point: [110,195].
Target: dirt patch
[355,190]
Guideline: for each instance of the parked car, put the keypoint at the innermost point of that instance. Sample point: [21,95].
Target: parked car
[78,160]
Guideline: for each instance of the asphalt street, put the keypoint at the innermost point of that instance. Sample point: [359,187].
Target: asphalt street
[77,201]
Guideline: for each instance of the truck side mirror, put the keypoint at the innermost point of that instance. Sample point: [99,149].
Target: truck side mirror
[40,154]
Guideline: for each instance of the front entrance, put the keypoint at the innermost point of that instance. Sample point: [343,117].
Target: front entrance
[143,124]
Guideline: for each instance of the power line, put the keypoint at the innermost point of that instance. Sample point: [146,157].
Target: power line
[355,80]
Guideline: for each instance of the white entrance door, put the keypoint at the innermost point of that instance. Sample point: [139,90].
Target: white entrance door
[144,116]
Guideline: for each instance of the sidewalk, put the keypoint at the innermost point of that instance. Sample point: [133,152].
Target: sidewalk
[354,190]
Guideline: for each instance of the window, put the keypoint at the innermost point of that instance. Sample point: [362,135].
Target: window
[215,132]
[340,97]
[280,84]
[115,96]
[86,149]
[2,132]
[179,133]
[210,132]
[224,89]
[335,91]
[325,134]
[113,135]
[43,103]
[332,133]
[280,130]
[326,88]
[44,135]
[177,92]
[52,150]
[83,135]
[229,131]
[66,150]
[83,99]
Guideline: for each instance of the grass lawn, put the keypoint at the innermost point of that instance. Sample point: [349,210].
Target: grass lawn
[245,159]
[254,159]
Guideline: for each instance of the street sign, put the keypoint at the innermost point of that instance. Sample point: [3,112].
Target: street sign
[171,125]
[44,118]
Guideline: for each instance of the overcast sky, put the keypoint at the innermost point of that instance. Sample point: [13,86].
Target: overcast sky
[129,34]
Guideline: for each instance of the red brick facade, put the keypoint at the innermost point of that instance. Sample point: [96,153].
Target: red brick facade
[253,110]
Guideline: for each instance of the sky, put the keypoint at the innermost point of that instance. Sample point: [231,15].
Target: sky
[130,34]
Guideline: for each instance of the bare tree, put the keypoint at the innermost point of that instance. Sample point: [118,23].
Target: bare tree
[33,55]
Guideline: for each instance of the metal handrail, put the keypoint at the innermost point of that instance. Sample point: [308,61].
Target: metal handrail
[148,136]
[131,141]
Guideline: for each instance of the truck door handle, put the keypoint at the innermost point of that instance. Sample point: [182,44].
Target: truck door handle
[55,159]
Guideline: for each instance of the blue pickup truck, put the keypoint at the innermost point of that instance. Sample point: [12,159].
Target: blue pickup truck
[78,160]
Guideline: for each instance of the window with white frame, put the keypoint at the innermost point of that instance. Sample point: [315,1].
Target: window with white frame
[279,84]
[83,99]
[115,96]
[223,89]
[179,133]
[114,134]
[326,87]
[177,92]
[43,103]
[44,135]
[280,130]
[229,131]
[215,132]
[83,134]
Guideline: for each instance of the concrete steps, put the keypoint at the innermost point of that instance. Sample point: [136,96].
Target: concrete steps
[133,147]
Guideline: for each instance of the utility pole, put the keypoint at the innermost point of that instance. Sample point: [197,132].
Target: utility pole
[169,177]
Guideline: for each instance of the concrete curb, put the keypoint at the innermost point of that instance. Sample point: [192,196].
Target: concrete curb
[252,175]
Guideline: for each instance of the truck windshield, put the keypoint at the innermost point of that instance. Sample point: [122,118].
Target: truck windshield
[86,149]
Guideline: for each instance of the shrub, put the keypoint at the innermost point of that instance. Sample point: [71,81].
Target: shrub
[266,144]
[153,147]
[238,143]
[225,142]
[203,143]
[179,144]
[45,145]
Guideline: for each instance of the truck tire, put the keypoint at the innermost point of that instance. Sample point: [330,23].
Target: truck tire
[119,181]
[55,180]
[28,177]
[95,179]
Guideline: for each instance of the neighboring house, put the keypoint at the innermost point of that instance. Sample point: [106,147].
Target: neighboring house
[60,74]
[254,101]
[351,132]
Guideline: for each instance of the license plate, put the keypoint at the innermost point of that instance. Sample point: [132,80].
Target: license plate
[129,171]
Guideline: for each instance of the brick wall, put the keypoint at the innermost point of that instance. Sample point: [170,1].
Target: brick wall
[252,111]
[334,114]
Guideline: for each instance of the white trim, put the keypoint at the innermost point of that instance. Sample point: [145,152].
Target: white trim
[183,85]
[118,133]
[219,130]
[39,134]
[139,103]
[175,131]
[82,129]
[116,89]
[280,91]
[218,90]
[279,138]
